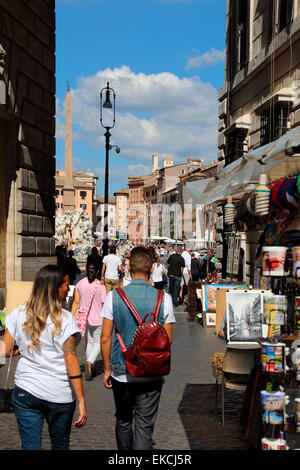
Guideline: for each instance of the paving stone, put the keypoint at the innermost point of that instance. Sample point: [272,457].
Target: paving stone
[187,416]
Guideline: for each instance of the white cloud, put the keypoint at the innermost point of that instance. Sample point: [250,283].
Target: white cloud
[155,114]
[208,59]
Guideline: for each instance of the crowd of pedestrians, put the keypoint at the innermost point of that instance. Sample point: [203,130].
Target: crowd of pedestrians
[48,378]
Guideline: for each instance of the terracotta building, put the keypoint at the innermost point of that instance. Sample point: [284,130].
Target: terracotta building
[84,185]
[27,138]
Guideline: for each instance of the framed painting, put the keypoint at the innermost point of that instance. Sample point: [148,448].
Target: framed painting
[209,295]
[209,320]
[244,311]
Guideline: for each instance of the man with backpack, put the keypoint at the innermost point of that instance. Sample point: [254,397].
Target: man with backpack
[136,360]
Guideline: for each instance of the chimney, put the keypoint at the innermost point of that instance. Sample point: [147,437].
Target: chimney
[154,163]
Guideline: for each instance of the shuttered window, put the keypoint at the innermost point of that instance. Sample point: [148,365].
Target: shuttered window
[285,13]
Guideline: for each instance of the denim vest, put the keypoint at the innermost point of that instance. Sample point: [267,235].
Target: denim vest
[143,297]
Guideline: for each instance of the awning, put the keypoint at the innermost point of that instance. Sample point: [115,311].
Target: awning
[242,175]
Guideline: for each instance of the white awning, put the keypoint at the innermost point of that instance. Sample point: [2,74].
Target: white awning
[242,175]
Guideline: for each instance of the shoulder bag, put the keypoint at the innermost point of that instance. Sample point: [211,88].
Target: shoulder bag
[6,393]
[83,314]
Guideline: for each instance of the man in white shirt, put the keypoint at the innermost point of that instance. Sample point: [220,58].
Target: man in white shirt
[111,265]
[186,275]
[135,397]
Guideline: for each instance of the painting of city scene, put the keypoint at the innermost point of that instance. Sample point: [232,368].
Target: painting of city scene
[244,316]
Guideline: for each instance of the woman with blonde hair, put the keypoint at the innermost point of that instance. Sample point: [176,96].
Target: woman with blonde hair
[48,377]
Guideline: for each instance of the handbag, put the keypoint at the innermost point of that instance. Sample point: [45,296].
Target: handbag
[82,316]
[6,393]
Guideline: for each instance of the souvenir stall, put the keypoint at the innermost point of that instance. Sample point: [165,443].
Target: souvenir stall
[265,320]
[271,411]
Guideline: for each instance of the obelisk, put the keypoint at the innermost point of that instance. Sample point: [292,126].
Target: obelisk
[68,190]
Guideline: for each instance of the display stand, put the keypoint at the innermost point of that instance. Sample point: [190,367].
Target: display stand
[237,365]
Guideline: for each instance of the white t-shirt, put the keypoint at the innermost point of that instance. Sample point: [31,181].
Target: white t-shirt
[112,262]
[42,372]
[157,273]
[169,317]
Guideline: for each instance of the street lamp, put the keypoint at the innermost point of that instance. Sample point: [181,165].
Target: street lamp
[107,105]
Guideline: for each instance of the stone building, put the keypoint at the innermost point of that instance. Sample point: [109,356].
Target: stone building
[259,110]
[27,137]
[122,197]
[259,101]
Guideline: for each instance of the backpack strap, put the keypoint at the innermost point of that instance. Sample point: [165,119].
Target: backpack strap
[159,298]
[132,308]
[129,304]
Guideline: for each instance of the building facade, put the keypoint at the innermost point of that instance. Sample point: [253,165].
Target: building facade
[100,223]
[27,138]
[260,100]
[122,197]
[84,191]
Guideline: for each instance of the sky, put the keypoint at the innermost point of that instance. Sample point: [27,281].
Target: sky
[165,60]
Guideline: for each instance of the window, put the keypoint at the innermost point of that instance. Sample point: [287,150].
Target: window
[57,205]
[274,123]
[83,194]
[236,145]
[271,20]
[83,206]
[153,193]
[285,13]
[238,36]
[56,192]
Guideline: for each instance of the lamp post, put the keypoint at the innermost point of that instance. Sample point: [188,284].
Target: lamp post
[107,105]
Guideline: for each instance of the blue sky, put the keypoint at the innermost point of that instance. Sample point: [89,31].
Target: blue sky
[165,61]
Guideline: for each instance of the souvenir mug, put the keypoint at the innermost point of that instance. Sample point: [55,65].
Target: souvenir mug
[273,404]
[273,260]
[273,444]
[296,262]
[273,357]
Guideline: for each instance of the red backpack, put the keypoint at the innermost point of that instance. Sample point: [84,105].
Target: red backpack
[149,353]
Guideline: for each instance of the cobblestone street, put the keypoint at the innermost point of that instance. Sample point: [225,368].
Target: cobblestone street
[178,424]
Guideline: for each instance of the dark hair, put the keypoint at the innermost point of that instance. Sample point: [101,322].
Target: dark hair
[94,251]
[141,260]
[112,250]
[92,271]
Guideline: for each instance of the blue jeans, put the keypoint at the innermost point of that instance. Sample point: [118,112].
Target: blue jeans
[30,412]
[174,288]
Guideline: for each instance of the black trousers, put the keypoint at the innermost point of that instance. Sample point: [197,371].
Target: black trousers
[138,402]
[159,285]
